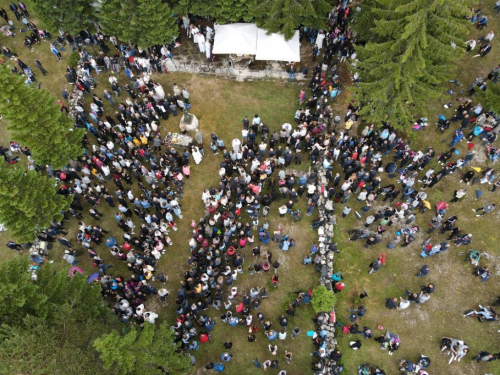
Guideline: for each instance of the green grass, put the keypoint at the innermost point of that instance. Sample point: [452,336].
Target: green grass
[220,105]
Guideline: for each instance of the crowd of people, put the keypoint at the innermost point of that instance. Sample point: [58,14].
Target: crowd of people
[149,172]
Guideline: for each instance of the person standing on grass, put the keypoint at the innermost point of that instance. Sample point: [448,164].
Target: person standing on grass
[39,65]
[486,209]
[131,225]
[458,195]
[346,211]
[219,367]
[275,279]
[109,98]
[423,297]
[4,15]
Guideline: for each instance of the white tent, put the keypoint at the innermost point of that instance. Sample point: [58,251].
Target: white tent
[235,38]
[276,47]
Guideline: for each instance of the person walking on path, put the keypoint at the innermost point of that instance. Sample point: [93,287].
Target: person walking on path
[486,209]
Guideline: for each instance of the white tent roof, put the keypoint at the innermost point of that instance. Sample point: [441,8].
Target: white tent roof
[236,38]
[276,47]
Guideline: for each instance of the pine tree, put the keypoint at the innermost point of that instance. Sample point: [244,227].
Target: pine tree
[28,202]
[409,51]
[141,22]
[284,16]
[142,352]
[36,122]
[234,10]
[49,325]
[199,7]
[223,11]
[490,98]
[67,15]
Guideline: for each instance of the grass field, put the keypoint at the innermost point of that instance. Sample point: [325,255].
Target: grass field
[220,105]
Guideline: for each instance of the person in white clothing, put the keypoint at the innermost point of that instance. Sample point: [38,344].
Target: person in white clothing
[150,317]
[201,42]
[195,151]
[106,171]
[208,47]
[209,32]
[195,31]
[319,39]
[185,23]
[471,44]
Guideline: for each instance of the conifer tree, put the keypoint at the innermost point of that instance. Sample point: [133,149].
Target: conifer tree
[141,22]
[490,98]
[67,15]
[147,351]
[28,202]
[198,7]
[409,51]
[49,325]
[234,10]
[35,121]
[284,16]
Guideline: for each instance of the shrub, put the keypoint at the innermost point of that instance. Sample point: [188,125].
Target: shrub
[323,299]
[73,59]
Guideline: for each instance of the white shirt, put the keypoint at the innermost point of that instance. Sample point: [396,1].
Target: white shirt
[105,170]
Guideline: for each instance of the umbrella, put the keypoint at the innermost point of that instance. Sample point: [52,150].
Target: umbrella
[390,169]
[92,277]
[73,271]
[203,337]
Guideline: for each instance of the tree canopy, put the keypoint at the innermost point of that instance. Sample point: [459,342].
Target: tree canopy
[490,98]
[222,10]
[146,351]
[35,121]
[410,49]
[67,15]
[48,326]
[284,16]
[140,22]
[323,299]
[28,202]
[276,16]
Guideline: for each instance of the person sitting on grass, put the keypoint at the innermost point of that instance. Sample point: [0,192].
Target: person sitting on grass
[483,272]
[485,313]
